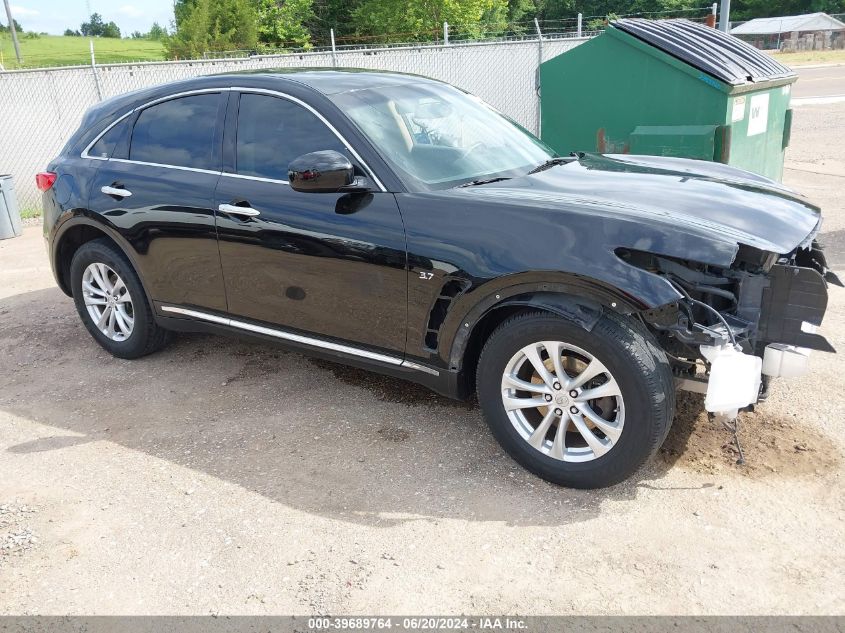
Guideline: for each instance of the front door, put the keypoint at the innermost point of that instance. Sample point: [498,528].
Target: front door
[322,263]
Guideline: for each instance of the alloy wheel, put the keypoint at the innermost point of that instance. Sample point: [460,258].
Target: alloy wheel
[108,301]
[563,401]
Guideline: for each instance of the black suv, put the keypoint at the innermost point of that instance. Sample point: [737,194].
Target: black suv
[399,224]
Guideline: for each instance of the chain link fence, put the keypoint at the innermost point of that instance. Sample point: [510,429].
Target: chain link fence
[42,108]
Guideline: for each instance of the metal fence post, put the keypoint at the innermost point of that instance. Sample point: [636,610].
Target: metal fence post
[334,51]
[539,63]
[446,33]
[94,70]
[580,17]
[710,18]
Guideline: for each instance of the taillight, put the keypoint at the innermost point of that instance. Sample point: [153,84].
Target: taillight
[45,180]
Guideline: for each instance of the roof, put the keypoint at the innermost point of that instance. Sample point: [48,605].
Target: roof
[714,52]
[327,81]
[789,24]
[336,80]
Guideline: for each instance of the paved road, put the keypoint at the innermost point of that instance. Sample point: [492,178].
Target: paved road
[821,81]
[815,166]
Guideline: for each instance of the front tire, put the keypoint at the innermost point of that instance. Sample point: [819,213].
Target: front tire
[111,301]
[580,409]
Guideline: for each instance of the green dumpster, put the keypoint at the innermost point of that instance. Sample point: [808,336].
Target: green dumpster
[669,88]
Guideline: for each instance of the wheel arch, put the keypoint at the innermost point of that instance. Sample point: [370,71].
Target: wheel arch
[70,237]
[578,300]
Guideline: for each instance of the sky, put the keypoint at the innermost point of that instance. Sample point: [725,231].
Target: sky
[54,16]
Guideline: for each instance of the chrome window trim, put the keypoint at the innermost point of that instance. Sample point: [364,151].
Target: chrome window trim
[296,338]
[265,91]
[180,167]
[258,178]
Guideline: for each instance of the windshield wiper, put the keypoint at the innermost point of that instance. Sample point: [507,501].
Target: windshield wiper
[483,181]
[557,160]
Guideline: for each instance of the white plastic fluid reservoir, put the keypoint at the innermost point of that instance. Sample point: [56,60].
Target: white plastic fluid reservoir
[734,379]
[785,361]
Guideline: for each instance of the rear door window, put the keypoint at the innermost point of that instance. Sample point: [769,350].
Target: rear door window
[180,132]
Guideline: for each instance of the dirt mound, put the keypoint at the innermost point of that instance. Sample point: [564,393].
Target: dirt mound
[773,442]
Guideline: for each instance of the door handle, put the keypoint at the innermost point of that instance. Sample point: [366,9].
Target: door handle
[116,191]
[236,210]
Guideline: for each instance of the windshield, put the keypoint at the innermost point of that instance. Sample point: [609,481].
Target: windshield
[437,137]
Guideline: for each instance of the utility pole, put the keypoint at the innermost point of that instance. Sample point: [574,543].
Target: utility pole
[12,30]
[725,17]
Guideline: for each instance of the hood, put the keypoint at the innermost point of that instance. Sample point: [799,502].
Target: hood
[711,198]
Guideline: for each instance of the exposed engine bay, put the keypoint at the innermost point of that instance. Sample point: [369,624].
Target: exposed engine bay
[736,328]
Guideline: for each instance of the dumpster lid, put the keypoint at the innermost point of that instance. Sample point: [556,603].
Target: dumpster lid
[714,52]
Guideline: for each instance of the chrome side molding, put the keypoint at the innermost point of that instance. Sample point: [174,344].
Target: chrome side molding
[298,338]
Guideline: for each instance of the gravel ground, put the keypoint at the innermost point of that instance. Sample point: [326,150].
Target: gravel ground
[223,477]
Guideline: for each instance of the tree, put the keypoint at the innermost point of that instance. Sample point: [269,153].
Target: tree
[520,11]
[396,21]
[94,27]
[748,9]
[111,30]
[212,25]
[328,14]
[72,33]
[5,29]
[157,32]
[282,22]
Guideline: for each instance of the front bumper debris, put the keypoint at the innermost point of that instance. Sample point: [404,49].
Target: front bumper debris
[796,297]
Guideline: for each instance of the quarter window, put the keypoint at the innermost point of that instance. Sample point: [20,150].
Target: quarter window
[273,131]
[108,141]
[178,132]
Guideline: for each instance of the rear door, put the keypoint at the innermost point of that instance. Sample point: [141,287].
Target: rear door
[331,264]
[156,187]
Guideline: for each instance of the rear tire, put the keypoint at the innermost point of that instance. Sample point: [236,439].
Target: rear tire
[111,301]
[588,435]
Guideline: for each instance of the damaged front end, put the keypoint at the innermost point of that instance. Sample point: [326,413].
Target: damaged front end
[733,329]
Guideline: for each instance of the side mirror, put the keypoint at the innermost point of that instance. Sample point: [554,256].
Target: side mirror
[320,172]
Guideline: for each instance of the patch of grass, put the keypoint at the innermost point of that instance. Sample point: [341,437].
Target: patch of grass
[809,57]
[56,50]
[32,212]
